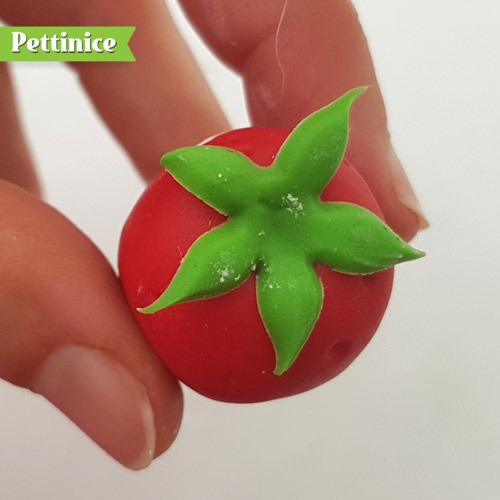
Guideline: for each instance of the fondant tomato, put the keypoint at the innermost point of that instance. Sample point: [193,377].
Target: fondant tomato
[247,308]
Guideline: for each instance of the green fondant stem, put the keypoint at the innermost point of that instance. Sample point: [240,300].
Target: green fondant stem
[278,226]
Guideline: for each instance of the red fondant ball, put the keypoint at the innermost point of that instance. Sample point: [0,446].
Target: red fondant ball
[219,346]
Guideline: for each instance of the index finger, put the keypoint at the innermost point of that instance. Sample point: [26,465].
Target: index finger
[297,57]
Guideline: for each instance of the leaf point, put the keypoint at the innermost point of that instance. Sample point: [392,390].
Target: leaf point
[352,95]
[280,371]
[157,305]
[164,160]
[415,254]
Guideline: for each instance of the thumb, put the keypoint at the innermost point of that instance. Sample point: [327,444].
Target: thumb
[67,334]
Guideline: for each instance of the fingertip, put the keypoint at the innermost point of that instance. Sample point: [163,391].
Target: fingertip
[105,400]
[108,403]
[168,425]
[409,216]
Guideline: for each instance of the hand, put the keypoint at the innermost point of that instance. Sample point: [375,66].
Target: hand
[84,351]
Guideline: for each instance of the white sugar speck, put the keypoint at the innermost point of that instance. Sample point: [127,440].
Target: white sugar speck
[223,274]
[293,205]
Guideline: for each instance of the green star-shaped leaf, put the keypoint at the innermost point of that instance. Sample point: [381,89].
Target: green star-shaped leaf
[279,228]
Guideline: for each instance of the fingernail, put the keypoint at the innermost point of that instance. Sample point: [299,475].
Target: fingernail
[403,188]
[104,399]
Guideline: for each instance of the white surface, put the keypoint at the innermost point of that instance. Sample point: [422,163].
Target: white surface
[416,417]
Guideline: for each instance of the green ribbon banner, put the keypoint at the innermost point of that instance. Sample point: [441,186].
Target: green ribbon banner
[66,43]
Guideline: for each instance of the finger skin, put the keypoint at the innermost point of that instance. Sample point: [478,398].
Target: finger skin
[153,105]
[16,165]
[57,290]
[296,57]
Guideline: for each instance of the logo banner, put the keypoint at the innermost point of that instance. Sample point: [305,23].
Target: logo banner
[66,43]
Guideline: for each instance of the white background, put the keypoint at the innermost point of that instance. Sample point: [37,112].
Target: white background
[417,415]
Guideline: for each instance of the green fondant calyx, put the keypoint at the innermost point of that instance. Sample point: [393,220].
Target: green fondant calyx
[278,228]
